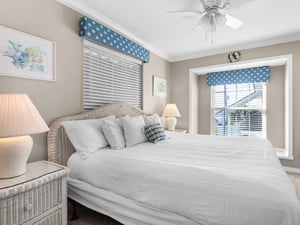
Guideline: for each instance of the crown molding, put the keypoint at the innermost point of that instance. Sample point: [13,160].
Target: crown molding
[281,40]
[92,13]
[95,15]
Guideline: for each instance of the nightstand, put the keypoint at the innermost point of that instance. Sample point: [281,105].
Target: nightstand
[179,130]
[35,198]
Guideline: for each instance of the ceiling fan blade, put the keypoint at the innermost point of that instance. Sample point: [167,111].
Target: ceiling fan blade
[233,22]
[186,11]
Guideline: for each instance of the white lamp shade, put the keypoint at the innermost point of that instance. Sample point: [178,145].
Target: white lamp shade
[18,116]
[171,110]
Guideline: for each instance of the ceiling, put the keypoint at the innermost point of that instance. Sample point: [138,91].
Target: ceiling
[266,22]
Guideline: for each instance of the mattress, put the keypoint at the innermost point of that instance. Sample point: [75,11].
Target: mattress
[206,179]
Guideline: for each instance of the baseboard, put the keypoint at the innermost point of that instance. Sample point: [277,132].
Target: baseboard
[292,169]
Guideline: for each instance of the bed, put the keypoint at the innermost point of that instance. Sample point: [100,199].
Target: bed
[185,179]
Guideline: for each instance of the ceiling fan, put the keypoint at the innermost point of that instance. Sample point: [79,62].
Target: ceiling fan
[213,16]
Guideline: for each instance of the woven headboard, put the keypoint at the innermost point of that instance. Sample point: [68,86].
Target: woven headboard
[59,146]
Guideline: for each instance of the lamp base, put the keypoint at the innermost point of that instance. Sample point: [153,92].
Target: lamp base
[14,152]
[171,122]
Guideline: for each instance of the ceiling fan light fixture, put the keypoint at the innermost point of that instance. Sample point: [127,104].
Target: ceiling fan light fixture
[211,25]
[212,19]
[213,16]
[220,19]
[204,21]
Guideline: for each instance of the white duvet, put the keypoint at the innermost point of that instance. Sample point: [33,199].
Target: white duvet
[209,180]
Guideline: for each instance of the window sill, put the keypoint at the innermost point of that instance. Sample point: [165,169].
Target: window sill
[283,154]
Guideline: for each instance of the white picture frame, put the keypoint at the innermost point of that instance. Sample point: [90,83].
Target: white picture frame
[26,56]
[159,87]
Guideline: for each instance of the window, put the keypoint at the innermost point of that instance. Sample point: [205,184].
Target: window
[285,152]
[110,77]
[239,110]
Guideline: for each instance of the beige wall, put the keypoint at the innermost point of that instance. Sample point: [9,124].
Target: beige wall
[194,113]
[204,97]
[180,84]
[51,20]
[161,68]
[275,106]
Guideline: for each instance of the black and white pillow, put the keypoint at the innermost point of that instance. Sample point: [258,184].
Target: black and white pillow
[155,133]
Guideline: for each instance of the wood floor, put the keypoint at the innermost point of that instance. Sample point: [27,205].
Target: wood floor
[89,217]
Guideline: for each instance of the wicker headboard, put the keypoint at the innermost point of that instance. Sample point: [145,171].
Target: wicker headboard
[59,146]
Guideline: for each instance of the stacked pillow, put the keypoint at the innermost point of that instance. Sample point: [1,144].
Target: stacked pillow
[88,136]
[113,132]
[133,130]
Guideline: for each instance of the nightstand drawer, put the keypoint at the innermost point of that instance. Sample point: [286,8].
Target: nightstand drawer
[26,205]
[54,218]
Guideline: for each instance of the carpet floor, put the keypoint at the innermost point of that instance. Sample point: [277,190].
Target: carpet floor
[90,217]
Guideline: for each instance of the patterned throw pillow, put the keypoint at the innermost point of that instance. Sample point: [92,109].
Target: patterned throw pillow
[155,133]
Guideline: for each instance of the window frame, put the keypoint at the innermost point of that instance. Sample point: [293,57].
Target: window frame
[280,60]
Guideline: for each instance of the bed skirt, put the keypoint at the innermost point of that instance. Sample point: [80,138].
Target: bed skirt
[122,209]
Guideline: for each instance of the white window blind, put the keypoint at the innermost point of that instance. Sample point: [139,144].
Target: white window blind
[110,77]
[239,110]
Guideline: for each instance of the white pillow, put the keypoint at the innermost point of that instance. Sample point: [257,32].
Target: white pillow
[86,136]
[113,132]
[151,119]
[133,130]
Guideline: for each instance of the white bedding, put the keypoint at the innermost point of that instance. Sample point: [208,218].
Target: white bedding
[209,180]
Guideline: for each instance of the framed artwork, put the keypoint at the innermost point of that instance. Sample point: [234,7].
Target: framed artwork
[159,87]
[26,56]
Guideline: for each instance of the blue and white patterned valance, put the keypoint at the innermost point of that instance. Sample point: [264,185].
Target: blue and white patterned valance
[94,31]
[242,76]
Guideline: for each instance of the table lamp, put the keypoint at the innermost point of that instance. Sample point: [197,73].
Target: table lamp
[18,119]
[171,112]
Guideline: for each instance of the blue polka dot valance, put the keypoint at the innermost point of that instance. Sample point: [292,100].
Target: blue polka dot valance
[96,32]
[242,76]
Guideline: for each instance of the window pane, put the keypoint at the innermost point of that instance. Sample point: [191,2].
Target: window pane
[238,110]
[245,123]
[219,122]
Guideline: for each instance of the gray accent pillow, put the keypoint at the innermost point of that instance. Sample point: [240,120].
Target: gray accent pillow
[113,133]
[155,132]
[133,130]
[86,136]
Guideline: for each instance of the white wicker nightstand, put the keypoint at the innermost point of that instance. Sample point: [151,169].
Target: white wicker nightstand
[36,198]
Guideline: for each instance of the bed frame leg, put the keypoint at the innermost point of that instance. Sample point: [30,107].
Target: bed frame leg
[74,206]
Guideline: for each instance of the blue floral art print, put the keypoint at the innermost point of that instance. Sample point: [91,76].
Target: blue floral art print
[26,58]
